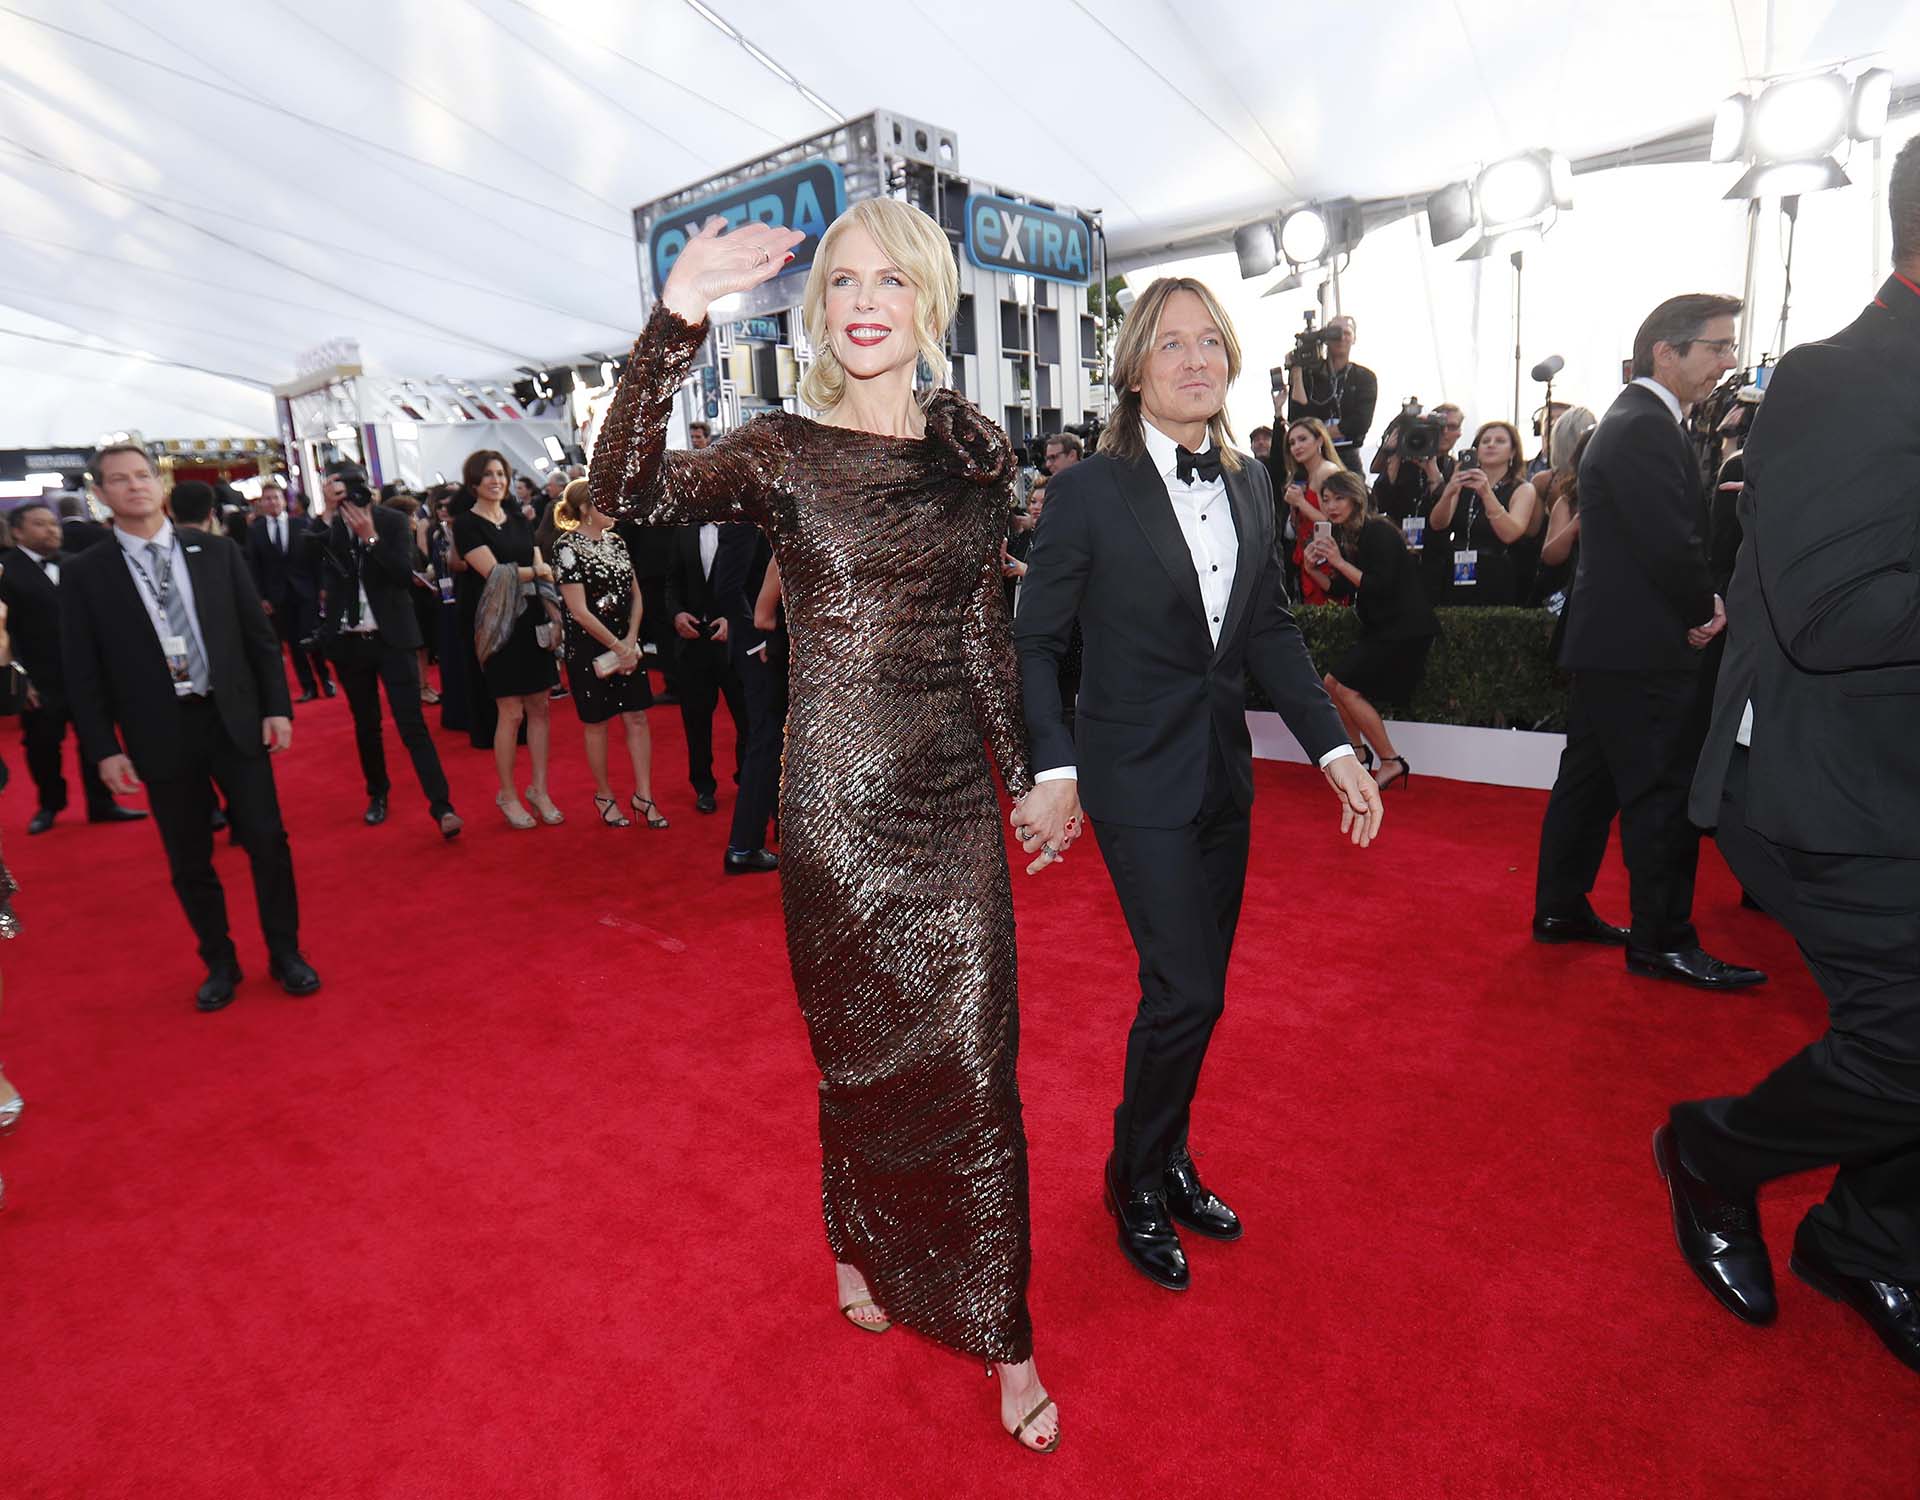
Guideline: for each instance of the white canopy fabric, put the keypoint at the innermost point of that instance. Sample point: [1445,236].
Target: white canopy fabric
[191,193]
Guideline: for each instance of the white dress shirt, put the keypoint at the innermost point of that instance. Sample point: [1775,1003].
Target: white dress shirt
[47,565]
[709,547]
[134,550]
[1205,517]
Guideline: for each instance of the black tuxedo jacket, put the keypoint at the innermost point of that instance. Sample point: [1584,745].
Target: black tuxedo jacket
[33,619]
[116,675]
[284,578]
[76,536]
[739,571]
[1643,582]
[1823,615]
[689,590]
[1155,692]
[385,568]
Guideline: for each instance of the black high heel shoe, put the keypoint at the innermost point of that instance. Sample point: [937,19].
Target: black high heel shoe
[1406,771]
[1364,752]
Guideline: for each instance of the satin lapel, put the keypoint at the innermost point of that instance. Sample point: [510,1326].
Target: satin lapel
[1146,496]
[1247,550]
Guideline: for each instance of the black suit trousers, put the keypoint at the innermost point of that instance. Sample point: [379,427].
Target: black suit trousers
[287,628]
[705,676]
[1632,741]
[362,663]
[1180,891]
[1853,1096]
[43,731]
[763,687]
[183,811]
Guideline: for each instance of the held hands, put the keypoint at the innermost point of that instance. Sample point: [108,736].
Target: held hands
[117,772]
[1700,635]
[1047,821]
[1360,809]
[714,264]
[276,734]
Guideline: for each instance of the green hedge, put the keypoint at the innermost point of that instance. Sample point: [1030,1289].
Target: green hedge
[1489,667]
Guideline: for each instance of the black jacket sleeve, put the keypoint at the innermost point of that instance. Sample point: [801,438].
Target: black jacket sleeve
[1663,530]
[1058,563]
[257,641]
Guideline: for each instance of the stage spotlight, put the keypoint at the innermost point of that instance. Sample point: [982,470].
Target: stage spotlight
[1303,236]
[1786,179]
[1449,213]
[1504,242]
[1291,282]
[1800,118]
[1514,190]
[1254,245]
[1730,128]
[1872,95]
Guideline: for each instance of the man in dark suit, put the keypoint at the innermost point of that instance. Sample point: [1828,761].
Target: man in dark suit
[1162,545]
[705,671]
[1811,773]
[164,642]
[78,530]
[1641,612]
[287,583]
[760,662]
[30,586]
[366,559]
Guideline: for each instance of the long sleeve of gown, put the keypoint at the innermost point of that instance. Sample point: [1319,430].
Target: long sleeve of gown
[993,676]
[632,473]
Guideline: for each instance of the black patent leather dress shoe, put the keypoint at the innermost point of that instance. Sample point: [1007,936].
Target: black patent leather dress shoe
[1147,1235]
[705,803]
[115,813]
[1718,1235]
[751,862]
[293,974]
[376,812]
[220,819]
[1891,1308]
[328,688]
[307,697]
[1693,966]
[1582,926]
[216,990]
[1192,1205]
[41,821]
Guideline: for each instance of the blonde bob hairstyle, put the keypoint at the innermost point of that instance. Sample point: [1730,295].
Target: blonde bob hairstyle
[570,510]
[919,250]
[1125,436]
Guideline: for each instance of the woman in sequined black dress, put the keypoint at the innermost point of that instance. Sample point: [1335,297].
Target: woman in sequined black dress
[886,521]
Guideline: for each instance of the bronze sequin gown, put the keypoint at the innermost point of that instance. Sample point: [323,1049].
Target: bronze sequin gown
[893,868]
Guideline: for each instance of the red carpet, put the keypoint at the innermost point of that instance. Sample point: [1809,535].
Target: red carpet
[525,1201]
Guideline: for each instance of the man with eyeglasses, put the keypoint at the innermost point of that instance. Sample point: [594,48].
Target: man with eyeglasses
[1641,612]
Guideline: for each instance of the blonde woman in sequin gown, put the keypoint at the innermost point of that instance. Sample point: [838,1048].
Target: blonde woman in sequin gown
[886,521]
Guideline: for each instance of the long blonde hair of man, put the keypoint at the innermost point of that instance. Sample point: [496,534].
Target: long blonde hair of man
[1125,435]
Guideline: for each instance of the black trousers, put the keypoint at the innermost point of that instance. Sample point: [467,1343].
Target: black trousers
[1180,891]
[363,662]
[1633,739]
[763,686]
[706,675]
[291,627]
[183,811]
[43,731]
[1852,1097]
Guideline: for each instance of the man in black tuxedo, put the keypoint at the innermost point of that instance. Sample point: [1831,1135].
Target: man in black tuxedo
[164,641]
[1811,772]
[373,635]
[759,659]
[1162,545]
[705,671]
[287,583]
[1641,612]
[78,530]
[30,586]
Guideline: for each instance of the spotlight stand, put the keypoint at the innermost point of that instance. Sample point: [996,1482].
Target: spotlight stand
[1519,259]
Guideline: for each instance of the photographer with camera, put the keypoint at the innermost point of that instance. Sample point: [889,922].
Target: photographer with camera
[1414,463]
[1482,514]
[1323,382]
[365,557]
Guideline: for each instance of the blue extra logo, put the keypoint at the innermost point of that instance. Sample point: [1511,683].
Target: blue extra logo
[808,197]
[1003,235]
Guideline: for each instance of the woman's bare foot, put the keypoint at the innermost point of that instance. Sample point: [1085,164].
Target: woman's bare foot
[1024,1399]
[856,1301]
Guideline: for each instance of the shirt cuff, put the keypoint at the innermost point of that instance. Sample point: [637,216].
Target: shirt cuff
[1058,773]
[1334,754]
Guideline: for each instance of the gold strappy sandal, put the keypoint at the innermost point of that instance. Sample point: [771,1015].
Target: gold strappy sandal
[1040,1445]
[848,1309]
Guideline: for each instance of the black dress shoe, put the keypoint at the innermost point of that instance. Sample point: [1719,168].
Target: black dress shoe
[751,862]
[293,974]
[1578,927]
[113,812]
[376,811]
[1719,1236]
[1891,1308]
[220,820]
[1693,966]
[1192,1205]
[41,821]
[328,688]
[1147,1236]
[307,696]
[705,803]
[216,991]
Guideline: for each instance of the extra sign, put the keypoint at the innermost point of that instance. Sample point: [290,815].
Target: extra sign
[1003,235]
[808,197]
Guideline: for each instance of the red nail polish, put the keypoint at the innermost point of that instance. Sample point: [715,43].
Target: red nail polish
[789,258]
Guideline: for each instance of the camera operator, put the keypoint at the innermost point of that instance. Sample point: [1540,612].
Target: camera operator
[1482,514]
[366,559]
[1329,386]
[1410,479]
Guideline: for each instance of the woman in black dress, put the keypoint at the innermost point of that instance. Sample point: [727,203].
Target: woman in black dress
[521,673]
[1367,561]
[603,615]
[1482,515]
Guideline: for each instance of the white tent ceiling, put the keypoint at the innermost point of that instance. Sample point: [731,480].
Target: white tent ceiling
[191,192]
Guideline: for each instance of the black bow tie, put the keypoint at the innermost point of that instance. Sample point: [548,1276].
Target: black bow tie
[1187,463]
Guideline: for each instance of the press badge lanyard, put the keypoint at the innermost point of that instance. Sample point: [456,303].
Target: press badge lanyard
[173,647]
[1466,560]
